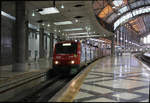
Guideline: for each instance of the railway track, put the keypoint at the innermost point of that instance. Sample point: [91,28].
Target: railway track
[143,59]
[46,90]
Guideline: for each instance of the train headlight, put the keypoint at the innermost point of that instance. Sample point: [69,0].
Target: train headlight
[72,62]
[56,62]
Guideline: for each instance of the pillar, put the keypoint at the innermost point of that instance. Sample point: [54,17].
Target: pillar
[51,45]
[26,41]
[41,43]
[112,46]
[19,44]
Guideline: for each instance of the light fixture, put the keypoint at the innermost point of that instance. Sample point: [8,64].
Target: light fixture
[83,36]
[121,38]
[66,44]
[59,30]
[72,62]
[63,23]
[56,62]
[62,6]
[76,20]
[33,14]
[78,33]
[50,10]
[74,29]
[48,25]
[43,24]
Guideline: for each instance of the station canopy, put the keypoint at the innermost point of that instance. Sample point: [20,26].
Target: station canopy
[134,14]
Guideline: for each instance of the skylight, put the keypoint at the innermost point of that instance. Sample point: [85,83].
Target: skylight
[124,9]
[50,10]
[63,23]
[74,29]
[129,15]
[118,2]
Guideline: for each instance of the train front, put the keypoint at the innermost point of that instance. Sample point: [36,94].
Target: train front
[66,57]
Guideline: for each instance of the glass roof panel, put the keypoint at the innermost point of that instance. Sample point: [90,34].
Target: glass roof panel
[136,4]
[129,15]
[124,9]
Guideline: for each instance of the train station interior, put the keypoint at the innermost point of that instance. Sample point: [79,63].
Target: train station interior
[75,51]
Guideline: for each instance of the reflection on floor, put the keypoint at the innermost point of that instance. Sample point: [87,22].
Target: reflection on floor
[116,79]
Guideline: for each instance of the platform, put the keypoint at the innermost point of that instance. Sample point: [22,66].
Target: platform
[109,79]
[116,79]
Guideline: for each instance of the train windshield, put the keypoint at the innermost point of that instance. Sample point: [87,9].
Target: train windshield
[66,48]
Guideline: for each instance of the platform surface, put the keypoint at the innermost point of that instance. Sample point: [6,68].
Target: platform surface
[116,79]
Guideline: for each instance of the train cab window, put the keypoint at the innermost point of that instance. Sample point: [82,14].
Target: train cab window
[66,48]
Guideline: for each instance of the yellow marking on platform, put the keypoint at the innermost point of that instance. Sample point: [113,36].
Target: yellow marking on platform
[74,87]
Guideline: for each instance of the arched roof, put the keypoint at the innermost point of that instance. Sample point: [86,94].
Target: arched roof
[133,13]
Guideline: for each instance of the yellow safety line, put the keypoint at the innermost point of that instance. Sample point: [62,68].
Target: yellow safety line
[74,87]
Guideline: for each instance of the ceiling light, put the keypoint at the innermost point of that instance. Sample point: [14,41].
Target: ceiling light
[79,33]
[50,10]
[62,6]
[33,14]
[59,30]
[63,23]
[83,36]
[76,20]
[43,24]
[48,25]
[74,29]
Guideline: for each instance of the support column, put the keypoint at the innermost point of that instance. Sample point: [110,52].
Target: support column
[112,46]
[51,45]
[26,41]
[41,43]
[19,39]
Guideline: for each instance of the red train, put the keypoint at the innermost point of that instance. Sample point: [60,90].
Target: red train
[70,56]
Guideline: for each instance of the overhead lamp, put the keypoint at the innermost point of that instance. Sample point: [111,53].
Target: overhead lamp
[50,10]
[79,33]
[74,29]
[59,30]
[63,23]
[76,20]
[121,38]
[33,14]
[48,25]
[43,24]
[62,6]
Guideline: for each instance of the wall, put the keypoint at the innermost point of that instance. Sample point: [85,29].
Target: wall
[7,31]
